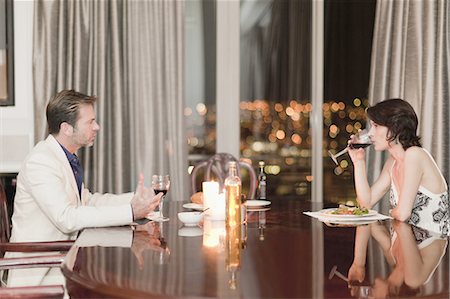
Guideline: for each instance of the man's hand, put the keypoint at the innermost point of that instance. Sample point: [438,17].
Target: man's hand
[151,228]
[144,240]
[144,200]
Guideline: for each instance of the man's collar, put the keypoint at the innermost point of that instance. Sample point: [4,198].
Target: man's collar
[69,155]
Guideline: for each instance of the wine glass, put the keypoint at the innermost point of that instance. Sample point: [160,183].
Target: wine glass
[359,140]
[161,256]
[161,183]
[364,291]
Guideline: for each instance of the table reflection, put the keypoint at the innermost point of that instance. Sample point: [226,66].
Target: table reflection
[234,247]
[279,253]
[412,253]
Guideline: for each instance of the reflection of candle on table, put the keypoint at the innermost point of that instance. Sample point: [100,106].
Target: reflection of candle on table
[213,232]
[210,195]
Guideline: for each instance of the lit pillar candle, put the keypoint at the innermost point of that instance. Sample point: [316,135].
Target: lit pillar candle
[210,194]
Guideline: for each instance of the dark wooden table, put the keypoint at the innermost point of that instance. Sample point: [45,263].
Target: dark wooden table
[286,255]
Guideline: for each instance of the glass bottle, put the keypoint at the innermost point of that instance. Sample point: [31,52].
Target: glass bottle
[243,210]
[232,197]
[262,180]
[233,251]
[244,235]
[261,224]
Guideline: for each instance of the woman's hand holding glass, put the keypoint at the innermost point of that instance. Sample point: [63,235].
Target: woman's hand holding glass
[356,273]
[355,144]
[361,140]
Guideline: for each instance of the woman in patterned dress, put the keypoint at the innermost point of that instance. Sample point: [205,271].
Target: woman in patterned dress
[418,191]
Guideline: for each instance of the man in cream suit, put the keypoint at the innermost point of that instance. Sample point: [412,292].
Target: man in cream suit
[51,202]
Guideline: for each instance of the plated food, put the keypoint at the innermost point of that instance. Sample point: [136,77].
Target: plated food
[347,212]
[197,198]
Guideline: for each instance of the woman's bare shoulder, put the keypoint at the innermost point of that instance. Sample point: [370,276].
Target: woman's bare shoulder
[418,158]
[416,153]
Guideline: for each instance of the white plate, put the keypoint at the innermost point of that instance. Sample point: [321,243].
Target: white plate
[258,209]
[193,206]
[348,223]
[329,213]
[156,216]
[256,203]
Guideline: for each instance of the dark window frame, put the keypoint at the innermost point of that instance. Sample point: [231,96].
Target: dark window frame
[7,22]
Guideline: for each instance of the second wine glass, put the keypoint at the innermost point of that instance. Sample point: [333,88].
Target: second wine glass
[161,184]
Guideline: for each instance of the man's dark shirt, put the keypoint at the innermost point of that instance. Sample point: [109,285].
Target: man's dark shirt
[76,167]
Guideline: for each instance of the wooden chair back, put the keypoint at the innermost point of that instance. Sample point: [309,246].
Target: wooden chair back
[216,167]
[28,292]
[47,292]
[5,226]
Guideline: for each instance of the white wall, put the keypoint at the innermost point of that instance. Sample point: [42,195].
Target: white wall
[17,122]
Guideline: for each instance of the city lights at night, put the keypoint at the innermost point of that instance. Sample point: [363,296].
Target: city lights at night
[279,133]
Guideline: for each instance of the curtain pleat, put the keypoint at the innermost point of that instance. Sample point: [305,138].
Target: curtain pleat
[129,54]
[286,55]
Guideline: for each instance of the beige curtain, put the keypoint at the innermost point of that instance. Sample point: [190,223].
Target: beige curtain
[410,61]
[129,54]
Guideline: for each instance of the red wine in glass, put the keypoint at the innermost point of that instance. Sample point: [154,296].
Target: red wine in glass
[360,140]
[163,191]
[161,183]
[359,145]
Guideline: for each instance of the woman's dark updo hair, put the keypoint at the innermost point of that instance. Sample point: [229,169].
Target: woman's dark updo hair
[400,119]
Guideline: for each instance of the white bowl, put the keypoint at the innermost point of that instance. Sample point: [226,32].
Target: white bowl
[190,231]
[190,218]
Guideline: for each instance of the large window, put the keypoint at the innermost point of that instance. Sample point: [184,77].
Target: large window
[275,88]
[275,92]
[200,74]
[348,44]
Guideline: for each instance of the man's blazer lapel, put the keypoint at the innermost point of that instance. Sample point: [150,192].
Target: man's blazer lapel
[59,153]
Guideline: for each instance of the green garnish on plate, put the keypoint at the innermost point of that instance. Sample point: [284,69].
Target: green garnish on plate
[344,210]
